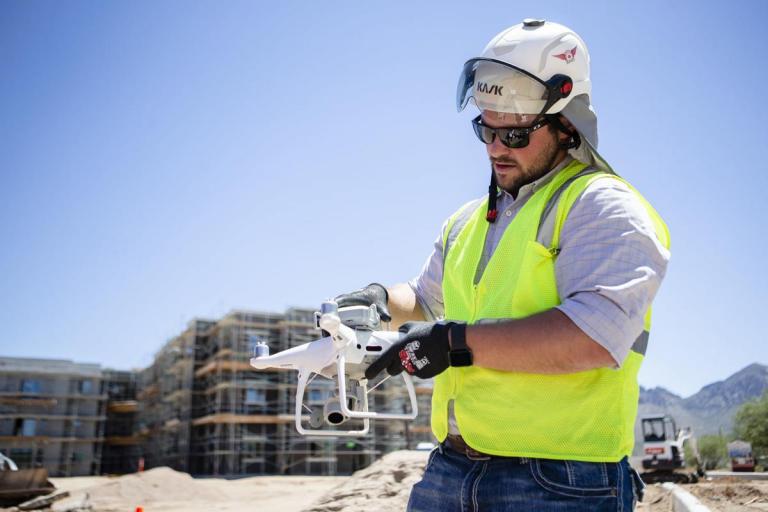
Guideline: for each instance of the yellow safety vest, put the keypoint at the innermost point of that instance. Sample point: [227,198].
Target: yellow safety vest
[587,416]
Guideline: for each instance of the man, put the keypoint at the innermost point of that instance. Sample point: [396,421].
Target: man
[533,311]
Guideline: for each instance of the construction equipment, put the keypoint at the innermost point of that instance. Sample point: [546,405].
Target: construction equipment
[740,453]
[19,485]
[351,344]
[664,451]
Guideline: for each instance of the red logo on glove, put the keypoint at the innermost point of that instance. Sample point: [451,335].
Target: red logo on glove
[405,360]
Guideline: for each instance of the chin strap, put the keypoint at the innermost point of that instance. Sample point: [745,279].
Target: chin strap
[492,213]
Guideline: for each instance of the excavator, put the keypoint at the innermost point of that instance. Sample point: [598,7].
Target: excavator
[664,451]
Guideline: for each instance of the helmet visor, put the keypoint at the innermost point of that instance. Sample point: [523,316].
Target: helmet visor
[500,87]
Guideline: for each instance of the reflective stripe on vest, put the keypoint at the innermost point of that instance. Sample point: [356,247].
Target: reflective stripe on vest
[585,416]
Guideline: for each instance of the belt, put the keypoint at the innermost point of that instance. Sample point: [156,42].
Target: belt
[457,444]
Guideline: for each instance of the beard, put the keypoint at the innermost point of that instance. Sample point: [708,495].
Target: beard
[549,156]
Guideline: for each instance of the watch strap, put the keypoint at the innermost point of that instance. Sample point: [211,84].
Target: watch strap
[460,354]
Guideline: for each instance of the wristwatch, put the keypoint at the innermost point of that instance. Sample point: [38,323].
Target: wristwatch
[459,355]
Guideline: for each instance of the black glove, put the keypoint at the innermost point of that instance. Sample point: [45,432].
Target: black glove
[423,352]
[374,293]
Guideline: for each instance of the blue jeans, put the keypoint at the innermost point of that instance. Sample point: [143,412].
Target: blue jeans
[453,482]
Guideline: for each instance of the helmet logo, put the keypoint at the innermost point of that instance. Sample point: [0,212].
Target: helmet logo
[567,55]
[490,89]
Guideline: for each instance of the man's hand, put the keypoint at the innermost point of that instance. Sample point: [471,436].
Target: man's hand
[374,293]
[423,352]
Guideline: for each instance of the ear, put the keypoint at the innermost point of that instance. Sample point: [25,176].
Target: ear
[564,137]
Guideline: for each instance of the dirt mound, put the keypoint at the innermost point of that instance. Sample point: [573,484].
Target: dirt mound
[155,485]
[383,486]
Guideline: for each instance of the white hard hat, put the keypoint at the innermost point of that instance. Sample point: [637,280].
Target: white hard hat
[532,69]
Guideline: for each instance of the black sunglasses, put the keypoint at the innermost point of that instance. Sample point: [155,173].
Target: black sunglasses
[513,138]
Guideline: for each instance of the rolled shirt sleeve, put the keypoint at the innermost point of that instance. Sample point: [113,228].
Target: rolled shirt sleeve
[428,285]
[610,265]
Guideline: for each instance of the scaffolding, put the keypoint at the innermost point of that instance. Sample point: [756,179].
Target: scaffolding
[236,407]
[122,445]
[166,398]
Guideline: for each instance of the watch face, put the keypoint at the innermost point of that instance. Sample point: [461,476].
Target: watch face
[461,357]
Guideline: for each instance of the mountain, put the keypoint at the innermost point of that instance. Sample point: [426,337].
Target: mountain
[658,396]
[740,387]
[709,411]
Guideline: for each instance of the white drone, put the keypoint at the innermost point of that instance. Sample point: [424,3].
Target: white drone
[351,346]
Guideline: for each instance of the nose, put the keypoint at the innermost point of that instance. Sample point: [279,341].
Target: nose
[496,149]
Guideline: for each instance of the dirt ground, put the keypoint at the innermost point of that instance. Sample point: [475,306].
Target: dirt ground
[166,490]
[383,487]
[718,495]
[656,499]
[731,495]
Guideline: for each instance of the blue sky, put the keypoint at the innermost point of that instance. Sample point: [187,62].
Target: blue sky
[161,161]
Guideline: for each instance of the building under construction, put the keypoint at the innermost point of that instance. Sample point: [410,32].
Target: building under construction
[199,407]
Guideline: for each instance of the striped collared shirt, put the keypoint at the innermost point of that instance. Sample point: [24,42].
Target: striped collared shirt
[608,270]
